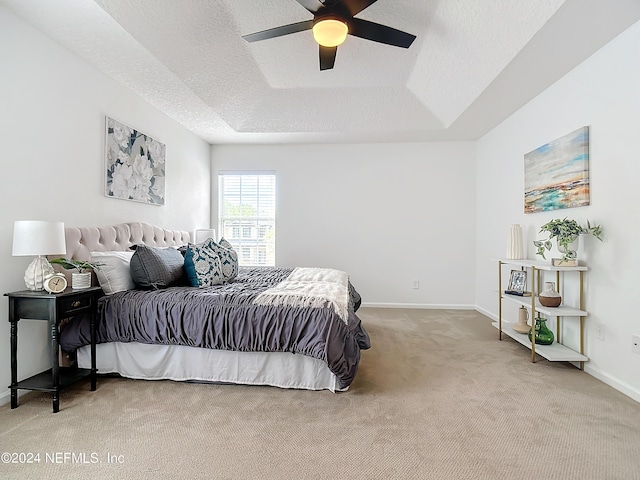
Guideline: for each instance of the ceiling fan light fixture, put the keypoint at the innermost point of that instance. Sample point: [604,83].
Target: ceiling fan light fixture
[330,32]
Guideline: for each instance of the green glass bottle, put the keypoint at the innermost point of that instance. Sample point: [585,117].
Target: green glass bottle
[544,336]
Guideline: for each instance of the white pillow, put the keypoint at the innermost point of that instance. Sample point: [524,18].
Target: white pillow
[113,272]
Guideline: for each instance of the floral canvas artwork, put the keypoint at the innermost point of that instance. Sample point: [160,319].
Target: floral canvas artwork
[556,175]
[135,165]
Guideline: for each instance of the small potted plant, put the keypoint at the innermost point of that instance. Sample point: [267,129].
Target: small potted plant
[565,232]
[79,280]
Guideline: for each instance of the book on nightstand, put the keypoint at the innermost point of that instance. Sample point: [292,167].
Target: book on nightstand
[520,294]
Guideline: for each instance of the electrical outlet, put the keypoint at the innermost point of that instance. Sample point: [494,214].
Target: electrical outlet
[635,343]
[600,331]
[416,284]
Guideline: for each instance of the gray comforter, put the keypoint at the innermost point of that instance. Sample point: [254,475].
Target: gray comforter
[223,317]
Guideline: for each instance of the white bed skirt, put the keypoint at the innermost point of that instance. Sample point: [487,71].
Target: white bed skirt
[180,363]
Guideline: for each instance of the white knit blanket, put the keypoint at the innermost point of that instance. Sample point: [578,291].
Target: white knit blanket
[311,287]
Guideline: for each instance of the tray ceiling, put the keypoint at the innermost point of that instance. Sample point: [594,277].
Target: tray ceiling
[473,63]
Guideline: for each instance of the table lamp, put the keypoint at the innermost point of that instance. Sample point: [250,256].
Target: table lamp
[35,237]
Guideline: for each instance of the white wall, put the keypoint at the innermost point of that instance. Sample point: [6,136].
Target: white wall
[387,214]
[52,114]
[604,93]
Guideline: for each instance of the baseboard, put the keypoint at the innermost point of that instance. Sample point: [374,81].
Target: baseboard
[5,397]
[613,382]
[487,313]
[423,306]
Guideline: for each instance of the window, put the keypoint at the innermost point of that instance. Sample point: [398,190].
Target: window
[247,215]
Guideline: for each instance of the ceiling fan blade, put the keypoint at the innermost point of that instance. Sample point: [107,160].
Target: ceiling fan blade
[279,31]
[380,33]
[356,6]
[312,5]
[327,57]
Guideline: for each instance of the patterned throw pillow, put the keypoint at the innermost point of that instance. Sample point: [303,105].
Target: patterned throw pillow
[156,267]
[228,258]
[202,265]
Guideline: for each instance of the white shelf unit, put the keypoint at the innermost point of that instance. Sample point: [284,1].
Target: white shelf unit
[556,352]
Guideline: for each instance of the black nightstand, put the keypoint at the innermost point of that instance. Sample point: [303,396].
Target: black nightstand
[29,305]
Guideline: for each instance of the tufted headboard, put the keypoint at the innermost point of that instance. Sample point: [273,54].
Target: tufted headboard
[81,241]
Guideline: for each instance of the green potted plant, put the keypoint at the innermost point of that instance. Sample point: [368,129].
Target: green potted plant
[565,232]
[79,280]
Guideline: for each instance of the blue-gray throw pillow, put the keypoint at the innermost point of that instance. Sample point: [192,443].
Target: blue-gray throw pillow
[155,267]
[202,265]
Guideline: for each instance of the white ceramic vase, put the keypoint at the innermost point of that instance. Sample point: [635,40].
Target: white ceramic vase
[523,317]
[549,297]
[515,250]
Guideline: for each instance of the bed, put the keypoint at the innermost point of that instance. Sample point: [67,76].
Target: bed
[244,331]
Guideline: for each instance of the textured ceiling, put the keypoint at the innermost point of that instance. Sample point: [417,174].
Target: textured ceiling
[473,63]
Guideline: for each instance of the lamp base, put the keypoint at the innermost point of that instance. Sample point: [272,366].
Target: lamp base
[36,272]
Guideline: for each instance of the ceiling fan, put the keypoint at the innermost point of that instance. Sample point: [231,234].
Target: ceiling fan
[332,21]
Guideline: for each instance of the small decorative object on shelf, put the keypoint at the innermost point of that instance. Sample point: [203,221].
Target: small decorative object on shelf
[544,336]
[519,294]
[517,282]
[523,317]
[514,243]
[558,262]
[549,297]
[566,232]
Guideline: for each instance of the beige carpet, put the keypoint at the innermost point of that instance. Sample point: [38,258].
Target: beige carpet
[437,397]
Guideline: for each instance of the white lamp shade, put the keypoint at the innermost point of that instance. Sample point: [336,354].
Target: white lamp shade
[35,237]
[202,234]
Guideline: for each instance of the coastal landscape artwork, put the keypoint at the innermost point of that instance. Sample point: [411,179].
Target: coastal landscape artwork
[556,175]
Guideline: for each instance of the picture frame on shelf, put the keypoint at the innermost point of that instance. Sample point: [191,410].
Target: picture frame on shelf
[517,283]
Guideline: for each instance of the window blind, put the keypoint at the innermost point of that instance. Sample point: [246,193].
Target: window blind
[247,214]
